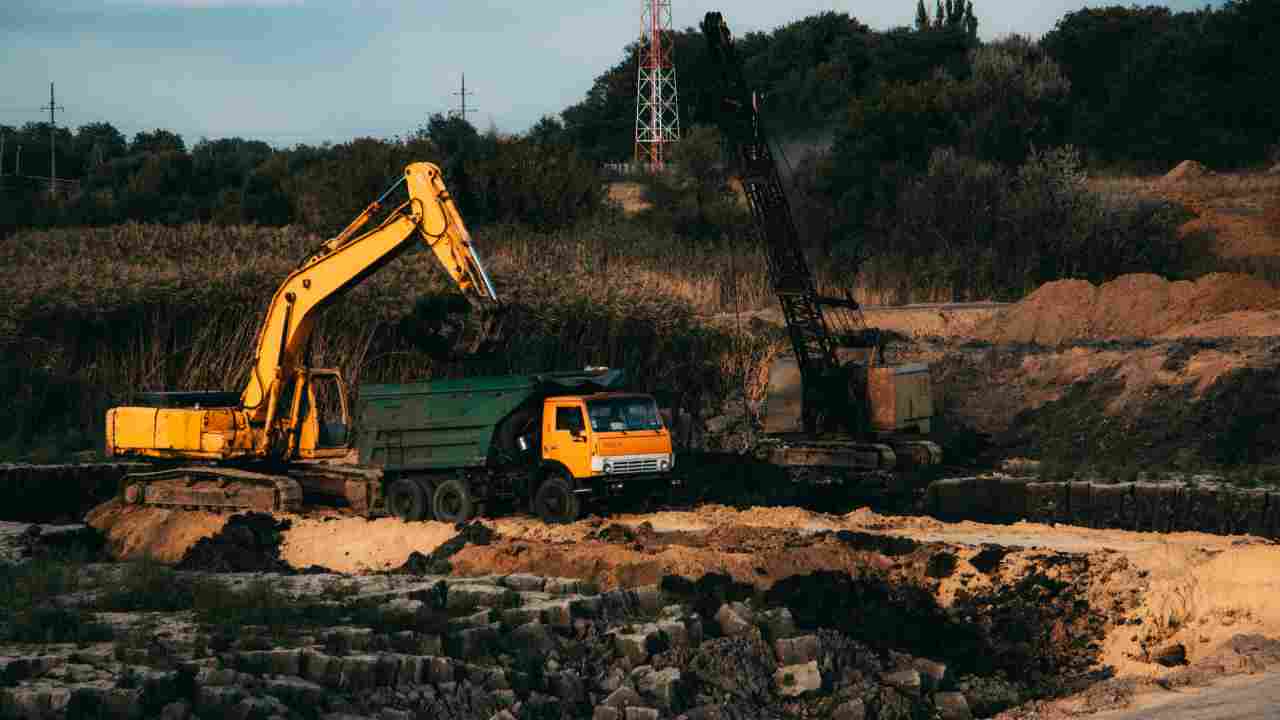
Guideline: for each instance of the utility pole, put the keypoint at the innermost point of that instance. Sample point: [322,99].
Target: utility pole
[462,113]
[3,136]
[53,155]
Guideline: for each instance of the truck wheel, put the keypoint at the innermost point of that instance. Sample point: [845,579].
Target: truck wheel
[406,500]
[556,501]
[452,502]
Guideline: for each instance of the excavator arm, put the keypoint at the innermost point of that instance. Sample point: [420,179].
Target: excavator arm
[429,215]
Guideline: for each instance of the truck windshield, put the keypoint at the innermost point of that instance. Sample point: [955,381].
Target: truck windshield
[627,413]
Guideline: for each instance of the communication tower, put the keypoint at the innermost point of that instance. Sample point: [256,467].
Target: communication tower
[657,113]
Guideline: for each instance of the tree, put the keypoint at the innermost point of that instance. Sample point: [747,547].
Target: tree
[98,143]
[922,16]
[970,20]
[157,141]
[453,135]
[547,131]
[697,156]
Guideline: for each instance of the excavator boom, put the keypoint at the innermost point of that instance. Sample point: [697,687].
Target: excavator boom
[278,421]
[342,263]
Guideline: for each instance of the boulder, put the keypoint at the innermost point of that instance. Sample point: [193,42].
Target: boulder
[795,680]
[734,619]
[951,706]
[933,674]
[907,681]
[778,623]
[661,687]
[797,651]
[849,710]
[523,582]
[623,697]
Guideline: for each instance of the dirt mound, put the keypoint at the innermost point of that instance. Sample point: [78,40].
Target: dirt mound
[1131,306]
[247,543]
[1187,170]
[437,561]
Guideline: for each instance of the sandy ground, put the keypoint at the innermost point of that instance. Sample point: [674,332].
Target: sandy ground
[1244,697]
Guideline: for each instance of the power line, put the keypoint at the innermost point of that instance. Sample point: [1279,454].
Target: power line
[53,108]
[462,112]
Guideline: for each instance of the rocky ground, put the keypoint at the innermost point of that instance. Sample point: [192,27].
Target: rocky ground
[717,613]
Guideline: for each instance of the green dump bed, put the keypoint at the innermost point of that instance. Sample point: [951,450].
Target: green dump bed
[447,424]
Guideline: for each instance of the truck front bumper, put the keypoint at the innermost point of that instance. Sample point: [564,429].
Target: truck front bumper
[610,485]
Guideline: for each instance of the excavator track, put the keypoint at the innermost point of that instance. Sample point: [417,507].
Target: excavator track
[213,489]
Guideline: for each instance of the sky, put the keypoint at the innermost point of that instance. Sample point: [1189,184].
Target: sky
[313,71]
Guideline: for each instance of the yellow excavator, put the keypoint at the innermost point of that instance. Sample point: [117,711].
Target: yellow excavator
[259,449]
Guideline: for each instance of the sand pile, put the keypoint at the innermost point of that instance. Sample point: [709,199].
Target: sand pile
[1131,306]
[1187,170]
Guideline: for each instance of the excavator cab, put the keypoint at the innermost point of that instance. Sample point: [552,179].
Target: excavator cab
[325,419]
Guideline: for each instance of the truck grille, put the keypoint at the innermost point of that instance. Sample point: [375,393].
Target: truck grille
[634,466]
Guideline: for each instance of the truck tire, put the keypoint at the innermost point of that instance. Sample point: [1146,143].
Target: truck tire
[452,502]
[407,500]
[555,501]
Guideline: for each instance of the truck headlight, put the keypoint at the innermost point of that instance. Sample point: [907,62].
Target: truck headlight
[664,464]
[608,467]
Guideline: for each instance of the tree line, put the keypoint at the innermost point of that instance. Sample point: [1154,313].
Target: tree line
[919,148]
[534,179]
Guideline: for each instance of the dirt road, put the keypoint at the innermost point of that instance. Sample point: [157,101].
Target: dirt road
[1246,697]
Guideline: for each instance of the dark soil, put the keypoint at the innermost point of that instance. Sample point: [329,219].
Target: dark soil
[1036,631]
[249,542]
[707,593]
[988,559]
[1234,424]
[941,565]
[84,542]
[437,562]
[884,544]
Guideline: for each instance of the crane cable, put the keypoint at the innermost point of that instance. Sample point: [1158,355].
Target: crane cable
[738,338]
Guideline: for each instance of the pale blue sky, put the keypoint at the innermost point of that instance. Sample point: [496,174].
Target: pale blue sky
[291,71]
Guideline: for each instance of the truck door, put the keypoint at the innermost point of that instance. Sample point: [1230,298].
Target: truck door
[565,437]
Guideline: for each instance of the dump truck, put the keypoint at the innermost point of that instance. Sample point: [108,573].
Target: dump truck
[549,443]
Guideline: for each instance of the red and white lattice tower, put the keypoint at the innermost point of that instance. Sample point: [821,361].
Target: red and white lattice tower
[657,114]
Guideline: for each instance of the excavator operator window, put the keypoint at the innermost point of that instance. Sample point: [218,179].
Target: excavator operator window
[327,391]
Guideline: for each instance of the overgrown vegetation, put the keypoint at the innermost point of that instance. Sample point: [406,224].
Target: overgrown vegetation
[91,316]
[27,611]
[928,165]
